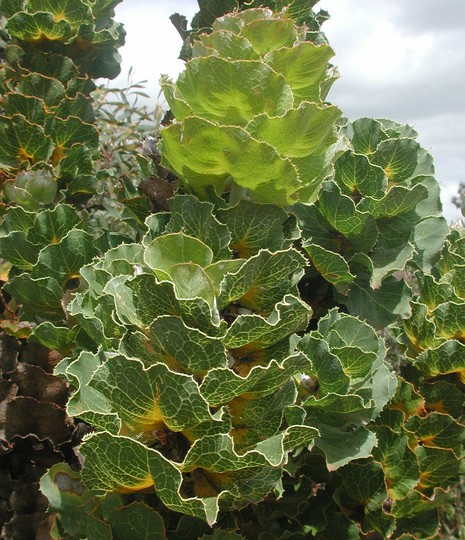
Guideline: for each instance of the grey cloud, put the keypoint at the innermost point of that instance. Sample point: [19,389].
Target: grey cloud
[430,15]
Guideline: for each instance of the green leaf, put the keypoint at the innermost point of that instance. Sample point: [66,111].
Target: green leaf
[303,68]
[331,266]
[87,402]
[444,398]
[195,218]
[420,330]
[59,338]
[399,462]
[223,384]
[398,157]
[17,219]
[447,358]
[341,447]
[148,399]
[74,11]
[215,153]
[232,92]
[76,508]
[269,34]
[138,301]
[262,280]
[41,296]
[437,466]
[308,130]
[66,132]
[253,332]
[165,252]
[381,306]
[225,44]
[138,521]
[143,468]
[22,141]
[356,175]
[51,226]
[17,250]
[366,134]
[64,259]
[437,431]
[397,200]
[39,26]
[184,349]
[342,214]
[387,261]
[428,237]
[254,227]
[30,107]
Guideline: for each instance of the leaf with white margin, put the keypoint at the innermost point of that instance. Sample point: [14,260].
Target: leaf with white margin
[399,462]
[216,153]
[185,349]
[195,218]
[398,157]
[366,134]
[256,420]
[269,34]
[119,464]
[343,215]
[303,68]
[51,226]
[447,358]
[253,332]
[420,330]
[164,252]
[18,251]
[398,200]
[341,444]
[224,43]
[332,266]
[141,299]
[232,91]
[64,259]
[223,384]
[308,130]
[87,402]
[42,296]
[428,237]
[262,280]
[254,227]
[148,399]
[379,307]
[356,175]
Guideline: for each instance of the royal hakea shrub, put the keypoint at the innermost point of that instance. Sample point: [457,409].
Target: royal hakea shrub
[51,51]
[48,141]
[234,353]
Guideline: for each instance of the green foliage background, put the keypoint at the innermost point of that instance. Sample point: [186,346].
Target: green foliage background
[203,325]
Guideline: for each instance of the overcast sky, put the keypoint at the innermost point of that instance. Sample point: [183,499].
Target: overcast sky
[401,59]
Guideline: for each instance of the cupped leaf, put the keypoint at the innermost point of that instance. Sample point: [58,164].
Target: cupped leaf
[232,92]
[215,153]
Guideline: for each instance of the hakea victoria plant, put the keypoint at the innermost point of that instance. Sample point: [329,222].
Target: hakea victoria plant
[233,354]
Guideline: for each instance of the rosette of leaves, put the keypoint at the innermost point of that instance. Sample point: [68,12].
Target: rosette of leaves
[250,113]
[53,52]
[435,332]
[380,212]
[188,375]
[300,11]
[348,385]
[45,251]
